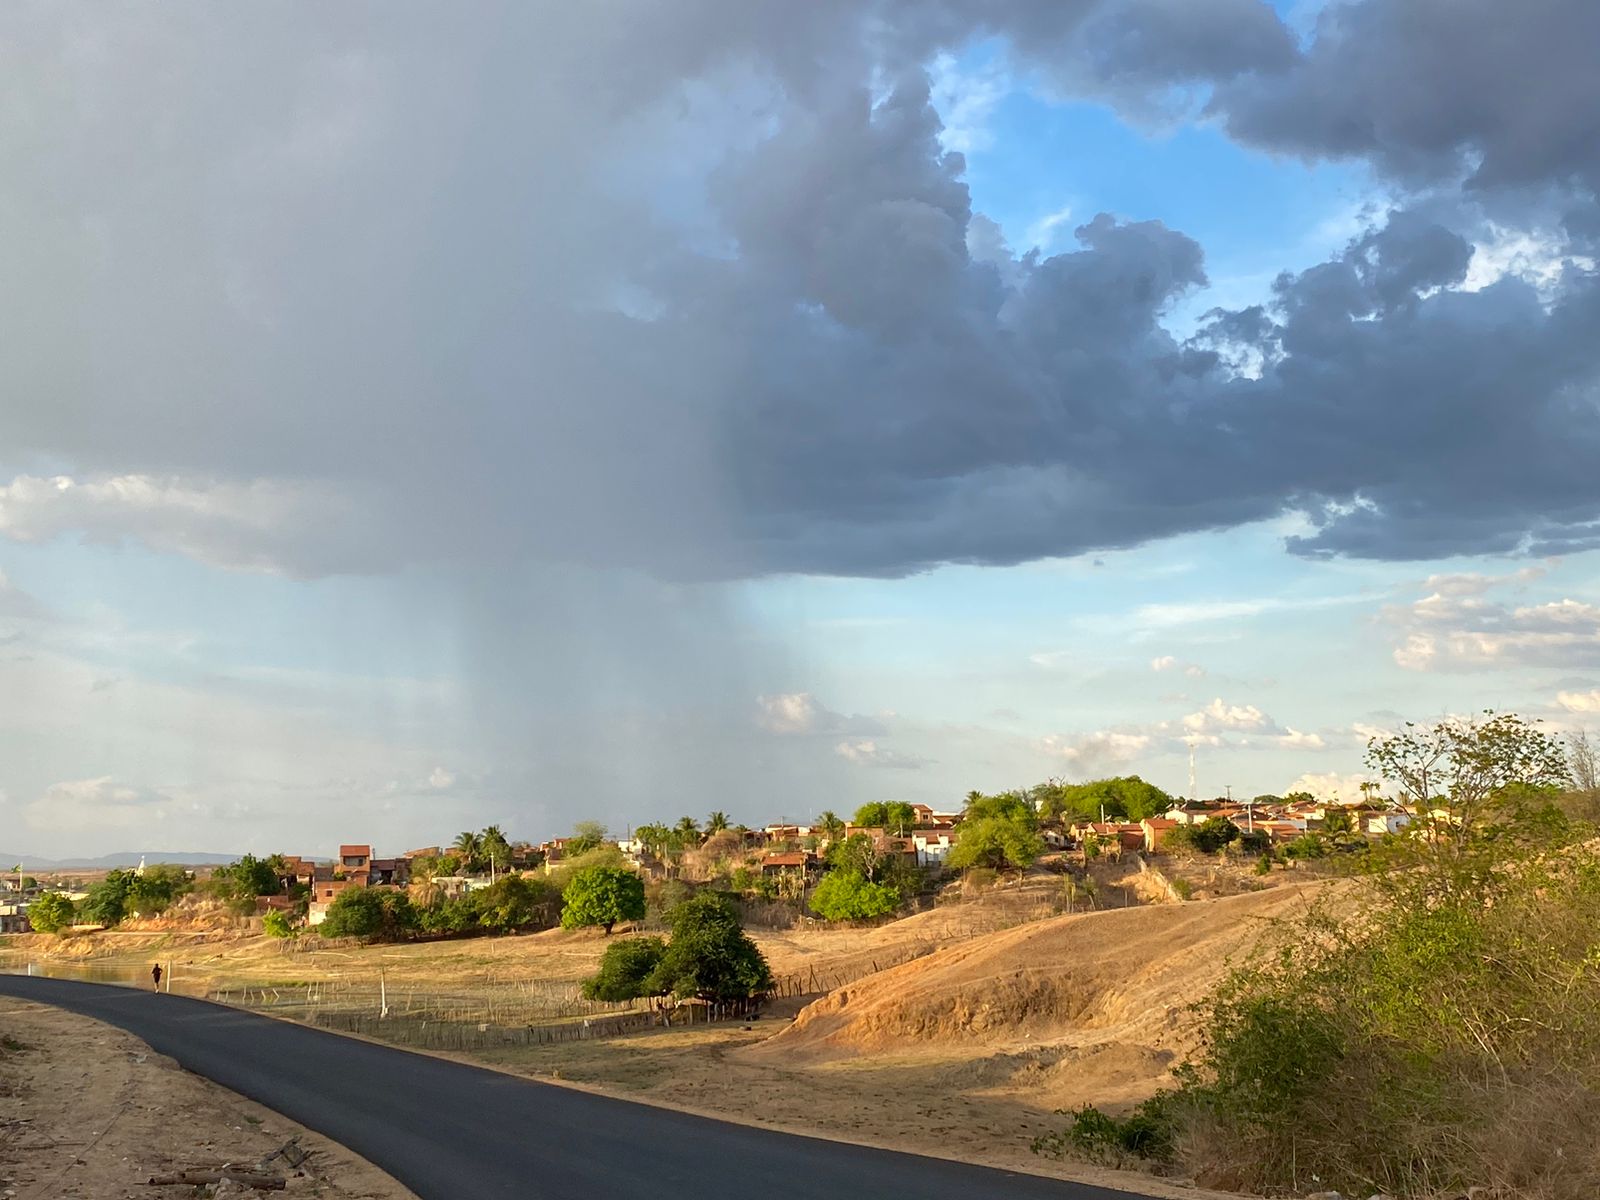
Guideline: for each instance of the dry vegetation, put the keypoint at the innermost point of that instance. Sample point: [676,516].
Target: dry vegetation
[90,1111]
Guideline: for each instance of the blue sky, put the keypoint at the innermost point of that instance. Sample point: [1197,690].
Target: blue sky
[468,442]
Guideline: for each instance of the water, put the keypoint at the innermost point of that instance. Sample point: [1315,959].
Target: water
[120,974]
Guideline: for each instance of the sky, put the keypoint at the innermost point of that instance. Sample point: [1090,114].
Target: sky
[415,418]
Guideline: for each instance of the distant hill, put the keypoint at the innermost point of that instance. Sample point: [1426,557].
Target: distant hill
[124,858]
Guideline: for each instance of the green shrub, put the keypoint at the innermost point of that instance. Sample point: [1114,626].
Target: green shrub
[277,924]
[1095,1136]
[849,896]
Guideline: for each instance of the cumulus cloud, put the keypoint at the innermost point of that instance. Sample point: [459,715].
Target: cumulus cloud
[1579,702]
[1220,715]
[801,713]
[100,804]
[1331,785]
[1102,747]
[1219,723]
[1458,627]
[865,752]
[746,333]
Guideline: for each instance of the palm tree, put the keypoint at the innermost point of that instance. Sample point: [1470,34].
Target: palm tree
[468,847]
[716,822]
[688,829]
[493,845]
[832,825]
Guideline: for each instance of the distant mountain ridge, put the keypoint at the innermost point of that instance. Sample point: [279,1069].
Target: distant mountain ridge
[105,862]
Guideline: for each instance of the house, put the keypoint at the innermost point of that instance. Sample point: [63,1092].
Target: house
[14,917]
[390,872]
[1392,821]
[1126,834]
[354,861]
[1279,830]
[932,846]
[297,872]
[778,862]
[1156,830]
[324,893]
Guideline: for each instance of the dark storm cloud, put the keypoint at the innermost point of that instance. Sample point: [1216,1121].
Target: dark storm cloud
[699,292]
[1430,89]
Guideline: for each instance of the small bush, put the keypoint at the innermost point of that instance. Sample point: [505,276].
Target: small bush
[1095,1136]
[277,924]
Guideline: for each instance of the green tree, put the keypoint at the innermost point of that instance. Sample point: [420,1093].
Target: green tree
[51,913]
[277,924]
[709,955]
[586,836]
[997,842]
[626,969]
[716,823]
[1009,806]
[468,848]
[851,896]
[603,896]
[1122,798]
[688,831]
[832,825]
[513,902]
[371,914]
[855,853]
[1208,837]
[156,890]
[871,816]
[494,848]
[107,901]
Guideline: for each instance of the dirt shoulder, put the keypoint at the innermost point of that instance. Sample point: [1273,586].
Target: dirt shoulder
[90,1111]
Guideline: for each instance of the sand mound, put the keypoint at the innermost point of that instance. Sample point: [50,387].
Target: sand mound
[1121,978]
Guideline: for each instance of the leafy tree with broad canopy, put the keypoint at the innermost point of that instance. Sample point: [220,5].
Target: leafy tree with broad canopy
[1122,798]
[624,969]
[1008,806]
[848,895]
[709,956]
[371,914]
[51,912]
[998,842]
[603,896]
[892,816]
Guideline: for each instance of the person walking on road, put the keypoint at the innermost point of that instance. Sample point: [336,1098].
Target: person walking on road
[155,974]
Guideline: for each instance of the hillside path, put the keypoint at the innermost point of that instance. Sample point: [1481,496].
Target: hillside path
[446,1129]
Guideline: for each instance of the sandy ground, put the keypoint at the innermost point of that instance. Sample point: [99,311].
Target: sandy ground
[960,1032]
[89,1111]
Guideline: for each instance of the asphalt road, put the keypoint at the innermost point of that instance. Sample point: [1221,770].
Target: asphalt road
[448,1130]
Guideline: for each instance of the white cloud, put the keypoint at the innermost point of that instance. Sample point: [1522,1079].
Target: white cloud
[966,100]
[1103,746]
[867,753]
[102,803]
[1165,663]
[1529,255]
[801,712]
[1457,629]
[1221,715]
[1292,738]
[291,527]
[1042,233]
[441,780]
[1331,786]
[1581,702]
